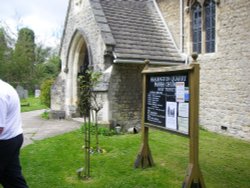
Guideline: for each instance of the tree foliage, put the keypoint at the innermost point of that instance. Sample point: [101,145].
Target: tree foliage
[24,58]
[87,80]
[87,98]
[42,53]
[84,94]
[25,63]
[5,55]
[3,49]
[45,91]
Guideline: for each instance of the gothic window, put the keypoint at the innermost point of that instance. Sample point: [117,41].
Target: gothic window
[196,27]
[210,25]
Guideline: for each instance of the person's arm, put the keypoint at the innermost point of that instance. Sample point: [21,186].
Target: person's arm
[3,114]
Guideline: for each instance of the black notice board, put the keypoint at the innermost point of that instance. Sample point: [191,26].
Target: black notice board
[167,101]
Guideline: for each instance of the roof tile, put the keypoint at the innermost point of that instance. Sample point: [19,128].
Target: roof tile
[136,30]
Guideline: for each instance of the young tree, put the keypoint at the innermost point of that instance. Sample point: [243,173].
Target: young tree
[95,106]
[87,102]
[84,109]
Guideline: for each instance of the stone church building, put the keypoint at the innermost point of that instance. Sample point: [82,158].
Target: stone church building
[116,36]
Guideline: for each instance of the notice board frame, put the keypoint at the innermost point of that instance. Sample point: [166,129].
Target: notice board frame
[166,76]
[144,159]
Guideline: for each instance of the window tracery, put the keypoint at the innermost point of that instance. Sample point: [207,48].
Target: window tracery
[196,27]
[203,25]
[209,6]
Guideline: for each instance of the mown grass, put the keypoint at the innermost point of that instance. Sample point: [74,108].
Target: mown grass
[53,162]
[31,103]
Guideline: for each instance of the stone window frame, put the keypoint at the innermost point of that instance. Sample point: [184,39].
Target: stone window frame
[202,3]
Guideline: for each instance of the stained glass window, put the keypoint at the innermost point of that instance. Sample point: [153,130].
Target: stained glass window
[210,25]
[196,27]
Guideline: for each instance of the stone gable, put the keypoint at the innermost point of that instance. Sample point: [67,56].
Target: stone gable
[114,37]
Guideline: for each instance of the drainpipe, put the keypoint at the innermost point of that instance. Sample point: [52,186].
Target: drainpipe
[182,31]
[181,26]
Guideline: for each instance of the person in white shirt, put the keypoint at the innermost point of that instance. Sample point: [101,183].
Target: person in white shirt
[11,138]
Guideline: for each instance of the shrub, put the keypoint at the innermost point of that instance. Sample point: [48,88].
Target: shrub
[102,130]
[45,115]
[45,91]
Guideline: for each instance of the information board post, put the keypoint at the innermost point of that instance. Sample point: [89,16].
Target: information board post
[144,158]
[171,103]
[194,176]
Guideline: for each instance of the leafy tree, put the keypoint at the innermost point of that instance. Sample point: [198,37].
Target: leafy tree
[52,66]
[42,53]
[5,55]
[48,70]
[27,64]
[46,74]
[47,63]
[24,58]
[3,48]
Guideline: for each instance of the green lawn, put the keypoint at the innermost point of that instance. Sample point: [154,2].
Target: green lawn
[31,104]
[224,161]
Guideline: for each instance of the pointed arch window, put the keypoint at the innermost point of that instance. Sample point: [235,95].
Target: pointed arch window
[196,27]
[209,6]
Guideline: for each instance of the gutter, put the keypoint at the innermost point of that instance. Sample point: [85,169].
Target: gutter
[184,55]
[152,62]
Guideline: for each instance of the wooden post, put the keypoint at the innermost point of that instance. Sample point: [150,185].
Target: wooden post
[144,158]
[194,177]
[87,147]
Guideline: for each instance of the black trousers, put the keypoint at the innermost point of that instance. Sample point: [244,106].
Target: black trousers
[10,168]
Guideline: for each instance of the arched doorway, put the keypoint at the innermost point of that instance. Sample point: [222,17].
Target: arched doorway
[78,61]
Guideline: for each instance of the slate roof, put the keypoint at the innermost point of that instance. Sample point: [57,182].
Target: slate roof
[136,31]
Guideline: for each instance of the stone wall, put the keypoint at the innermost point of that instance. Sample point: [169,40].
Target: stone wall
[84,19]
[171,13]
[224,76]
[224,80]
[57,94]
[125,94]
[80,19]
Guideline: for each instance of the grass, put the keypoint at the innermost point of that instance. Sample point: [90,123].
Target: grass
[53,162]
[31,104]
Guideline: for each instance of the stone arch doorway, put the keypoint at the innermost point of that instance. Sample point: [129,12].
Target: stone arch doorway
[78,61]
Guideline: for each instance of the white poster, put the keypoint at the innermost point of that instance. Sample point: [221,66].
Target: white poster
[171,115]
[183,110]
[180,91]
[183,124]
